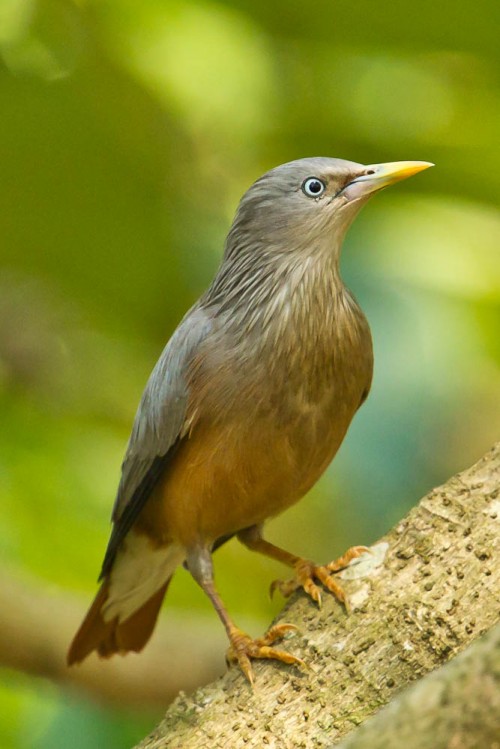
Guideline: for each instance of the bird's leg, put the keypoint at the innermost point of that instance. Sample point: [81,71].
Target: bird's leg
[306,572]
[242,646]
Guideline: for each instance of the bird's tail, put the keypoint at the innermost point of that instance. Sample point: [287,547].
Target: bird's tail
[124,612]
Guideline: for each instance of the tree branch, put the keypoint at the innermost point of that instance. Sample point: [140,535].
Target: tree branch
[428,590]
[455,707]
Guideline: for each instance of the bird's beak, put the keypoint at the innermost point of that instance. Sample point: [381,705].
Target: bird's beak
[377,176]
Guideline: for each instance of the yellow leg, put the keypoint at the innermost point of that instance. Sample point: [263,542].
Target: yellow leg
[242,647]
[306,572]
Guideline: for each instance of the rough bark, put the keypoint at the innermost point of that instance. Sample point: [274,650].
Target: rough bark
[430,587]
[455,707]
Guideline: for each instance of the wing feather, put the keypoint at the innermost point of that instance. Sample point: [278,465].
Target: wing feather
[158,427]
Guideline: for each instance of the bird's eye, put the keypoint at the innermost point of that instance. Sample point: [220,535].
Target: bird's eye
[313,187]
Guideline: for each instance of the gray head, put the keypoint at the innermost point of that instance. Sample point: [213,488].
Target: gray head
[298,211]
[309,203]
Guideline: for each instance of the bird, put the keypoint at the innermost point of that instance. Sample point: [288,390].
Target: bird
[245,408]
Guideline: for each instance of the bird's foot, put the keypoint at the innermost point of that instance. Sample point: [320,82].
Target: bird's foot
[243,648]
[307,572]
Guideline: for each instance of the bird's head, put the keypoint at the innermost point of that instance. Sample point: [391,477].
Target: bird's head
[310,202]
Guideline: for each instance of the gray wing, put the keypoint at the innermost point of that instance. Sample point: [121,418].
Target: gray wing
[158,427]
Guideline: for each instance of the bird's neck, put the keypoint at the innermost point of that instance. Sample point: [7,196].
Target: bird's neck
[290,301]
[293,322]
[254,283]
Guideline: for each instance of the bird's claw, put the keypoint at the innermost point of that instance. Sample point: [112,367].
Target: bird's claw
[243,648]
[307,572]
[285,587]
[342,562]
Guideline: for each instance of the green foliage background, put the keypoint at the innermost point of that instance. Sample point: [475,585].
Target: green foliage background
[128,131]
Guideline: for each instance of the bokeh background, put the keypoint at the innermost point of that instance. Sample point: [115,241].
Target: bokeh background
[128,131]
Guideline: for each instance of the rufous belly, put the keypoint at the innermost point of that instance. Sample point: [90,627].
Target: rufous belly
[223,479]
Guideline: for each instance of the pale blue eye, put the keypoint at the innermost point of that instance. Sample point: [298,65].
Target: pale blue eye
[313,187]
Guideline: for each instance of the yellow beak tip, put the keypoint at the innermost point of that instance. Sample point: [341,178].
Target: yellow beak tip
[403,169]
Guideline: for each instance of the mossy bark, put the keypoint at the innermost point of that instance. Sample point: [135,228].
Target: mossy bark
[428,590]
